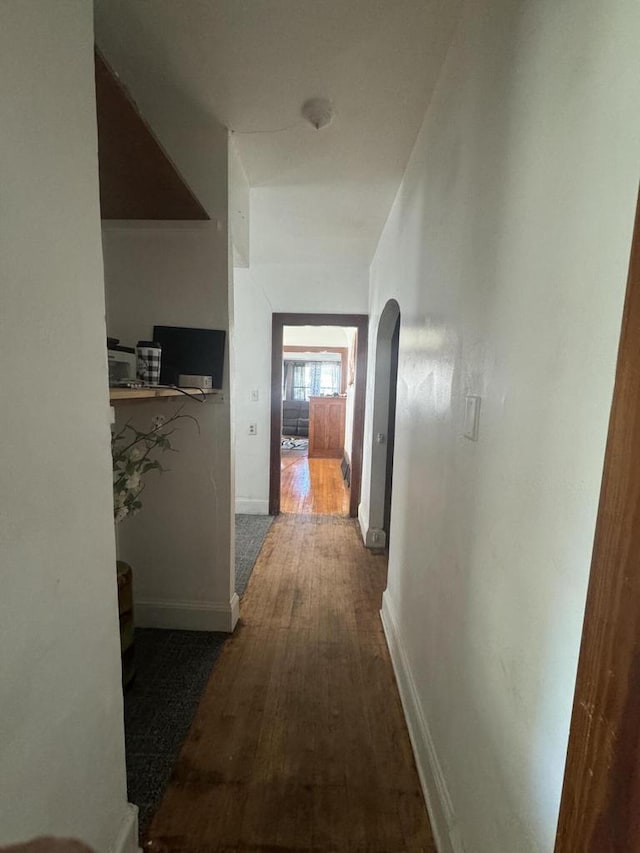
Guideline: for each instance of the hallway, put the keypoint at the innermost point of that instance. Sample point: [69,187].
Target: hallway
[299,742]
[312,486]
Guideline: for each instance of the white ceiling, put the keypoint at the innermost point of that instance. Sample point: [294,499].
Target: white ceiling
[316,195]
[317,336]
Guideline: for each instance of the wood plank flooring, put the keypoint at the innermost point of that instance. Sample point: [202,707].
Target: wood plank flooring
[299,742]
[312,486]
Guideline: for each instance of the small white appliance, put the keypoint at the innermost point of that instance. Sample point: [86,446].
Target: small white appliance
[192,380]
[122,366]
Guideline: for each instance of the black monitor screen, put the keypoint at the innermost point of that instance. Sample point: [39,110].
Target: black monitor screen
[190,351]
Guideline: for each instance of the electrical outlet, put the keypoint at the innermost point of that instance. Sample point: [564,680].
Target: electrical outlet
[255,395]
[253,429]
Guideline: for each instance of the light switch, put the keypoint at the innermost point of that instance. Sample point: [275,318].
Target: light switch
[255,395]
[471,417]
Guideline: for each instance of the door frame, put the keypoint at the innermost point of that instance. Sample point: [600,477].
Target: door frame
[600,807]
[391,429]
[381,429]
[361,323]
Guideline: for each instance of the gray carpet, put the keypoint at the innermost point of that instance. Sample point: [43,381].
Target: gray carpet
[251,531]
[173,668]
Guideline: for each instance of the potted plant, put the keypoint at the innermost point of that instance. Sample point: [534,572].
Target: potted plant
[135,454]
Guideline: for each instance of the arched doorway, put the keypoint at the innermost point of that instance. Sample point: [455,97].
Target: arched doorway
[384,420]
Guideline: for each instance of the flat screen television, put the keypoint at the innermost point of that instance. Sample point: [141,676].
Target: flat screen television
[190,351]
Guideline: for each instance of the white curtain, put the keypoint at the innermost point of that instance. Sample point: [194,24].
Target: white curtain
[304,379]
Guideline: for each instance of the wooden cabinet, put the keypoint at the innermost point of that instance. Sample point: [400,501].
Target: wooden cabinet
[326,426]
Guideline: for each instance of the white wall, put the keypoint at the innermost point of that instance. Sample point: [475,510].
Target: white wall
[180,545]
[348,422]
[351,398]
[239,208]
[259,292]
[507,250]
[61,731]
[314,288]
[252,372]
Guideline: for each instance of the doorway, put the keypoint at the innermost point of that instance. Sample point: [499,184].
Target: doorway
[384,422]
[317,412]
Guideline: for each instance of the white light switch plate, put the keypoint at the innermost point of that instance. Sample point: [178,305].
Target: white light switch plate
[471,417]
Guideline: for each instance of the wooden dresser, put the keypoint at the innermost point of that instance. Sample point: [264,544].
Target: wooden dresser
[326,426]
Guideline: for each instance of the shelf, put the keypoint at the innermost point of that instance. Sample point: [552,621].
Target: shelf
[123,395]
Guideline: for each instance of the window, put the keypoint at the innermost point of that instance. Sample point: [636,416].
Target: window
[300,381]
[304,379]
[329,378]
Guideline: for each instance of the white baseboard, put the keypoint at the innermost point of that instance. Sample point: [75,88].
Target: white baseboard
[432,780]
[127,837]
[373,537]
[188,615]
[251,506]
[235,610]
[363,522]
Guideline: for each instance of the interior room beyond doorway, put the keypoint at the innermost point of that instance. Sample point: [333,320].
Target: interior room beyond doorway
[318,380]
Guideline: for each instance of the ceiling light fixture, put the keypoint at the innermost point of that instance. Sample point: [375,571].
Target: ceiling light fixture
[318,112]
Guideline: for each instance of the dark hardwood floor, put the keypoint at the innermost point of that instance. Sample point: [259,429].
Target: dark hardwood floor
[299,742]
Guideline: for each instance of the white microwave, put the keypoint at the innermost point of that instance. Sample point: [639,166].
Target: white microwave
[122,365]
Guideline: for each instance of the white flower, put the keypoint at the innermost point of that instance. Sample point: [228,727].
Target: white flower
[121,513]
[157,422]
[135,453]
[133,481]
[120,499]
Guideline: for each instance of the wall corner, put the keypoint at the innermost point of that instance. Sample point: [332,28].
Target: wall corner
[127,838]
